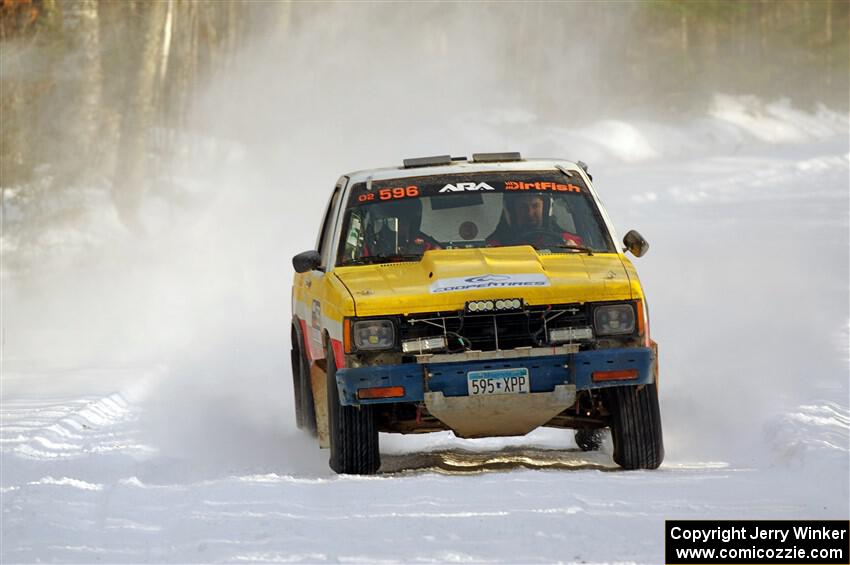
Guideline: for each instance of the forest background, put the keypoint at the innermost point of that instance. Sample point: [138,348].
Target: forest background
[100,96]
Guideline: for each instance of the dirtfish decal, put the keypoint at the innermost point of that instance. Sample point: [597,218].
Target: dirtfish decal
[488,281]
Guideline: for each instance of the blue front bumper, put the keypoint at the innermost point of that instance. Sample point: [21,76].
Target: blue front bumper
[545,372]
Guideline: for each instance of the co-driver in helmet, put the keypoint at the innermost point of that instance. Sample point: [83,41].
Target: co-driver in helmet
[397,231]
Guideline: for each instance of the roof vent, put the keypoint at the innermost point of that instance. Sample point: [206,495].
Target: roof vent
[428,161]
[496,157]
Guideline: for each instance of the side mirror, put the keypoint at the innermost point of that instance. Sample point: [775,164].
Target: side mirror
[635,243]
[306,261]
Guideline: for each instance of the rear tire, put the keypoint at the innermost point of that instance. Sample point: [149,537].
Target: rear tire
[295,364]
[589,439]
[353,433]
[636,426]
[305,409]
[308,406]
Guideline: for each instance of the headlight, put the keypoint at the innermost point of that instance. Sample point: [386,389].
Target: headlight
[370,335]
[616,319]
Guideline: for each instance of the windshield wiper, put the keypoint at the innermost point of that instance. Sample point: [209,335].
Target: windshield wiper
[579,248]
[372,259]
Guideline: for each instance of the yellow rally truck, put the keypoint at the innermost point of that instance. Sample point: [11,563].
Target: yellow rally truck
[486,296]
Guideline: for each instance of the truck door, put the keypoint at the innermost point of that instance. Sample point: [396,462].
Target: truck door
[315,280]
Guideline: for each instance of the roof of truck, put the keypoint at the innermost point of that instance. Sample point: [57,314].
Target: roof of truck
[455,165]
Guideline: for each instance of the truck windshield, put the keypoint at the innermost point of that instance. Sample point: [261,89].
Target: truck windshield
[400,219]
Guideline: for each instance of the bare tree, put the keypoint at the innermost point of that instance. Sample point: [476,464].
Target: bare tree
[83,111]
[131,175]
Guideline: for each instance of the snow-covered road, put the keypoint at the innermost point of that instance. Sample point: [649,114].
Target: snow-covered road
[80,485]
[747,281]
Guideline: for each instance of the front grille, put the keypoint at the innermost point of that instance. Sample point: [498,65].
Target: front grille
[495,330]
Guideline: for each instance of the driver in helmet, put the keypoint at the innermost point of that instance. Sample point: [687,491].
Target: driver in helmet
[397,229]
[526,221]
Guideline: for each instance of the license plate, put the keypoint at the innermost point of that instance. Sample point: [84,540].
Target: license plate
[498,381]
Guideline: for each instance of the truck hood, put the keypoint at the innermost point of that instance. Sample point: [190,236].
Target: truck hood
[446,279]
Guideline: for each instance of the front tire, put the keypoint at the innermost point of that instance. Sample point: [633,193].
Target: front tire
[353,433]
[636,426]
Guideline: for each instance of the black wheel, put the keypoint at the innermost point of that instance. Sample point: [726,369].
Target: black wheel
[295,364]
[636,426]
[353,433]
[588,439]
[305,410]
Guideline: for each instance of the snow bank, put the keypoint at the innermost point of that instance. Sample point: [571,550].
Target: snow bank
[811,435]
[778,122]
[731,125]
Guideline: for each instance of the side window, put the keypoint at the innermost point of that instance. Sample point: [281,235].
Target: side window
[355,235]
[326,236]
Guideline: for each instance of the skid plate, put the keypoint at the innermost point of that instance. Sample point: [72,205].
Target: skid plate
[499,414]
